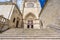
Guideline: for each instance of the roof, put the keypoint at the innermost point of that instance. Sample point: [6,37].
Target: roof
[7,8]
[6,3]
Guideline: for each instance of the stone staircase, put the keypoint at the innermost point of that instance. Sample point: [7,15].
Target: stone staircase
[30,34]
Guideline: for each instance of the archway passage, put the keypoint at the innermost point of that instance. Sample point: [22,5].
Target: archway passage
[17,23]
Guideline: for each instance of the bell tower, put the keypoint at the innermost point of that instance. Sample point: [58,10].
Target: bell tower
[31,10]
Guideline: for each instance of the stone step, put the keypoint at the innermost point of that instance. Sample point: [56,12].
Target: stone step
[28,37]
[28,31]
[29,34]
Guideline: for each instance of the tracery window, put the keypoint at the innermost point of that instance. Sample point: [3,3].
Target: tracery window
[30,5]
[30,0]
[14,20]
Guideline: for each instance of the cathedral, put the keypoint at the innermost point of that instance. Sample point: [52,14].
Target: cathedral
[27,19]
[31,11]
[34,20]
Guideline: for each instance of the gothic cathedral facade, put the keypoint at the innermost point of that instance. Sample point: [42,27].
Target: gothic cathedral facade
[29,18]
[31,11]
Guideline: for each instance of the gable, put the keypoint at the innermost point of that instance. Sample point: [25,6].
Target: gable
[6,10]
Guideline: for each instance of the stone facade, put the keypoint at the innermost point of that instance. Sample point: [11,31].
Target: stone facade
[12,13]
[16,18]
[50,15]
[30,18]
[49,18]
[31,11]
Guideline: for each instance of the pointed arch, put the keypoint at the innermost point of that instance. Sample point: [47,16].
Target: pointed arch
[30,15]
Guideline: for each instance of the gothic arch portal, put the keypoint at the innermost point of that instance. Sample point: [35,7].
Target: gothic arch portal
[29,20]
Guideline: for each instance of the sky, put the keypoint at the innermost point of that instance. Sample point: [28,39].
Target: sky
[42,2]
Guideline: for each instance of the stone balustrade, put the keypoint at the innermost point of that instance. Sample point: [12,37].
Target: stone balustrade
[54,27]
[3,22]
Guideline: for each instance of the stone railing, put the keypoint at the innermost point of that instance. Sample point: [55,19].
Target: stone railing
[3,23]
[54,27]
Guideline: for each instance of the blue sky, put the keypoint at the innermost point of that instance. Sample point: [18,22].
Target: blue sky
[42,2]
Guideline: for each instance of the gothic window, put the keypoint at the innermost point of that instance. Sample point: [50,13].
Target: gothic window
[14,20]
[30,5]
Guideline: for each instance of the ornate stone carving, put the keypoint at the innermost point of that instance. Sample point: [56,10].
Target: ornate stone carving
[30,0]
[30,5]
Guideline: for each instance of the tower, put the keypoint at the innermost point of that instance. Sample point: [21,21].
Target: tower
[31,10]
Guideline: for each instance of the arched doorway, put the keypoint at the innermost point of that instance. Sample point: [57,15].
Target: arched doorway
[30,24]
[17,23]
[29,21]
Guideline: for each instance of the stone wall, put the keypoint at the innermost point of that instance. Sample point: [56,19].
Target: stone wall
[51,13]
[16,15]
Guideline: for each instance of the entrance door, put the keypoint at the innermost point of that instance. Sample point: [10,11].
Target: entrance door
[17,24]
[30,24]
